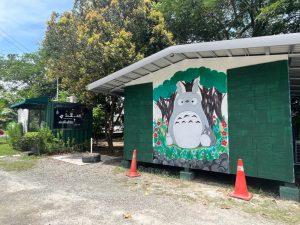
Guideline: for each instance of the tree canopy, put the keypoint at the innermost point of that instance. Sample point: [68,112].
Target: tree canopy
[96,39]
[24,75]
[206,20]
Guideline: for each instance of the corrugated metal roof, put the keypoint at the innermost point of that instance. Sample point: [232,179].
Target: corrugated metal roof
[267,45]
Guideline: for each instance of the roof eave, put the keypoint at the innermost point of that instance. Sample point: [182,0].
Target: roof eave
[227,45]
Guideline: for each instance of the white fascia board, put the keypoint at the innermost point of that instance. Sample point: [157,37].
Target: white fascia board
[254,42]
[132,67]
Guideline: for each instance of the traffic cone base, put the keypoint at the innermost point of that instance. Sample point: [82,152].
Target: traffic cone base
[240,188]
[133,167]
[133,174]
[244,197]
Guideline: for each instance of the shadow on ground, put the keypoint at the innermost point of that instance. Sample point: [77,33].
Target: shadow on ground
[256,185]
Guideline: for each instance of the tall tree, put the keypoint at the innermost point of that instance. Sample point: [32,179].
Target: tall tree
[25,75]
[22,76]
[6,114]
[206,20]
[98,38]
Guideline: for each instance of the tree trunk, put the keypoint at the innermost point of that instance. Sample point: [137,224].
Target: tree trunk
[109,139]
[110,125]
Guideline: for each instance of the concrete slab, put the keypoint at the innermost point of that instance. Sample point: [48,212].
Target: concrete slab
[70,158]
[77,160]
[106,159]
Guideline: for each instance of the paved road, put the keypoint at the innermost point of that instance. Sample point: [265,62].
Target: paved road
[55,192]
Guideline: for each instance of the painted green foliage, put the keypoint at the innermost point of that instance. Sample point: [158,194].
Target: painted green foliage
[209,79]
[212,88]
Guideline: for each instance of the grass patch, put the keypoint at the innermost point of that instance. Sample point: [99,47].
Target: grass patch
[18,163]
[272,210]
[285,212]
[6,149]
[119,169]
[3,140]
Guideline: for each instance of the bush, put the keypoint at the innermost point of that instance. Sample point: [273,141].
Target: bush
[30,141]
[42,142]
[50,144]
[15,133]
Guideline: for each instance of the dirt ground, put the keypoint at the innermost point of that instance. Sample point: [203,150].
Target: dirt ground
[55,192]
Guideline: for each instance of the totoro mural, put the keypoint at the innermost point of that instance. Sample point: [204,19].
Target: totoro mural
[190,120]
[188,126]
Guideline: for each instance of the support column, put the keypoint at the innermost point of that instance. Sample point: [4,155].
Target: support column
[290,192]
[187,174]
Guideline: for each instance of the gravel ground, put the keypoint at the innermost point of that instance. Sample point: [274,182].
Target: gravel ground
[55,192]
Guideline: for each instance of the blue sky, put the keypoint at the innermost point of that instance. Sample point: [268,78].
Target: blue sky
[23,23]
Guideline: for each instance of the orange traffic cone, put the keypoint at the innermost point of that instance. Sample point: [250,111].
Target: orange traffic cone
[133,171]
[240,189]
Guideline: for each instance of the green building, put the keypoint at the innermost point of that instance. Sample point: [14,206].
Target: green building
[205,105]
[72,120]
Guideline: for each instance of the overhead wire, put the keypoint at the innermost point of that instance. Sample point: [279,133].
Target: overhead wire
[13,41]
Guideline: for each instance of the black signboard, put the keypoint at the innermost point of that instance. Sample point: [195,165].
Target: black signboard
[68,118]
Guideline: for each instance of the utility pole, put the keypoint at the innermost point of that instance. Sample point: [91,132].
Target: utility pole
[57,89]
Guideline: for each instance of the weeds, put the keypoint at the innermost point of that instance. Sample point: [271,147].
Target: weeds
[119,169]
[158,172]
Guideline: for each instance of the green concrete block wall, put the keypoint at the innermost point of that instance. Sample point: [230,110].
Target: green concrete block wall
[138,122]
[259,120]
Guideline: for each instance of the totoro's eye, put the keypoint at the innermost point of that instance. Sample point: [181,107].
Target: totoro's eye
[180,102]
[194,101]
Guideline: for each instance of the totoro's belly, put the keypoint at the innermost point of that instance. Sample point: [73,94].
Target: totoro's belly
[187,129]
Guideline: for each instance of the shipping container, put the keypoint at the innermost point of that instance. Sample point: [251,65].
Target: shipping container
[72,122]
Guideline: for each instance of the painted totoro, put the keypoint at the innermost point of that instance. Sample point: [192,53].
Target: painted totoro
[188,126]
